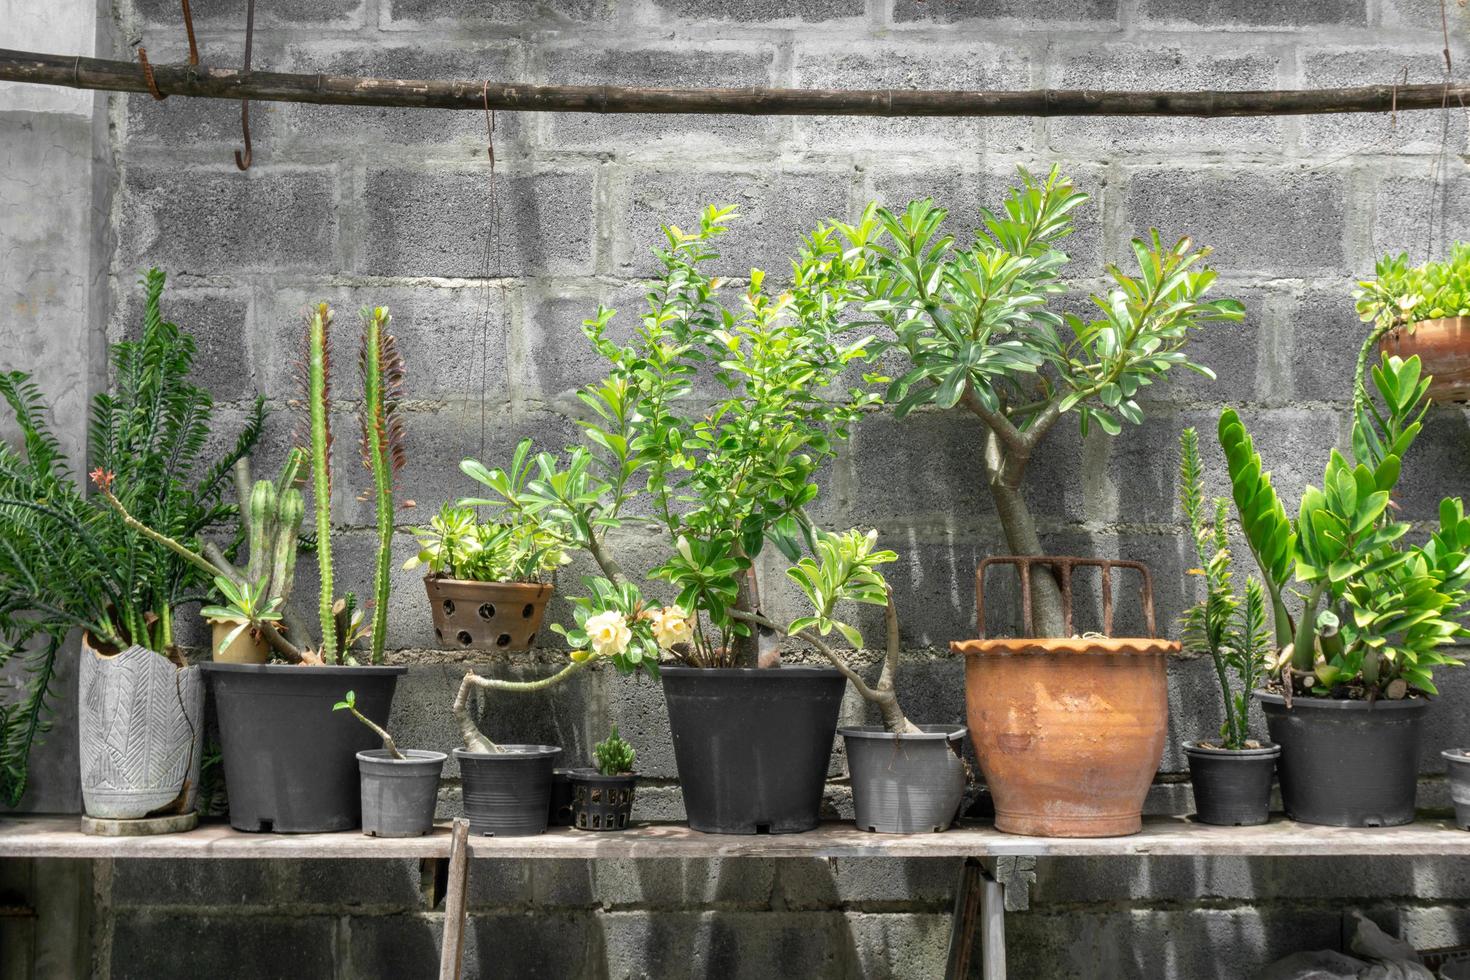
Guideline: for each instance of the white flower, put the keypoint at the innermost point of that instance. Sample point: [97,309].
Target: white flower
[670,626]
[608,633]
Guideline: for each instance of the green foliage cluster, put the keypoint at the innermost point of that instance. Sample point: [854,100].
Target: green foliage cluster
[614,756]
[1376,612]
[1405,294]
[722,472]
[1232,629]
[68,561]
[457,545]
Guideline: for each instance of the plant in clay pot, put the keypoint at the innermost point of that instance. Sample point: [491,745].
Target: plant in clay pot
[1375,615]
[399,786]
[485,580]
[602,799]
[973,322]
[1231,774]
[71,562]
[267,709]
[1422,310]
[718,481]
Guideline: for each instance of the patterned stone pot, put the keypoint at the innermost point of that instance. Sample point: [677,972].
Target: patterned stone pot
[141,723]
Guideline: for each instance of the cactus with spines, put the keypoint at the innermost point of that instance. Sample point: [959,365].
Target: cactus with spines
[382,449]
[318,400]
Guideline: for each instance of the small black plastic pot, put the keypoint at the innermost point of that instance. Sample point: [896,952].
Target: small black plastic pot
[290,760]
[905,784]
[1458,764]
[398,795]
[559,811]
[1347,763]
[1232,787]
[752,745]
[507,793]
[602,802]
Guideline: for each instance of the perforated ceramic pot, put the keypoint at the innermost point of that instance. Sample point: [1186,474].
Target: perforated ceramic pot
[486,615]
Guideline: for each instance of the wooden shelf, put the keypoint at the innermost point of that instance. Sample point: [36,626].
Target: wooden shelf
[60,837]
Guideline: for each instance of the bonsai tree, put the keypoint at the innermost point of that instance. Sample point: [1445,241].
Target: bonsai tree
[718,482]
[259,595]
[1233,630]
[1375,612]
[71,562]
[974,323]
[614,756]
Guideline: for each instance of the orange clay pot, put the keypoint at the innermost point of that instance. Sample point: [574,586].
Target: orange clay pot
[1069,732]
[1443,345]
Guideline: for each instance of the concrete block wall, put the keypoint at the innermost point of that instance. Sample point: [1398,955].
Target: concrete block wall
[394,207]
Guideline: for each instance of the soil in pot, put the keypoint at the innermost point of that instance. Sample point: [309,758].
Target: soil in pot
[1068,732]
[905,784]
[752,745]
[290,761]
[1347,763]
[1444,347]
[1458,763]
[507,793]
[602,802]
[1232,787]
[398,795]
[486,615]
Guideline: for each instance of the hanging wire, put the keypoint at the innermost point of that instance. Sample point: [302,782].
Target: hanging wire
[492,246]
[243,162]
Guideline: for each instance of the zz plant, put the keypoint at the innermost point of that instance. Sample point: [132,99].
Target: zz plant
[69,561]
[717,482]
[973,322]
[1376,612]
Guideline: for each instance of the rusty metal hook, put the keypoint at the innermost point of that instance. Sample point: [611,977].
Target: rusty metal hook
[189,29]
[243,162]
[148,75]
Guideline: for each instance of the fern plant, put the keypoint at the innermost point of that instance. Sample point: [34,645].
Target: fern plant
[68,561]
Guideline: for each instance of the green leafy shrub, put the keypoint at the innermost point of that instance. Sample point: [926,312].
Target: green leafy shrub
[1405,294]
[456,544]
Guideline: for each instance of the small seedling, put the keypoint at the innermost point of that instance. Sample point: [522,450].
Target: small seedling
[349,703]
[614,756]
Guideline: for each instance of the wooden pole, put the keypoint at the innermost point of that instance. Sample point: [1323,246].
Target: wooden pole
[198,81]
[451,955]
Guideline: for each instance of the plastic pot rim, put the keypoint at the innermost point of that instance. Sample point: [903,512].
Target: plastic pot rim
[786,670]
[415,757]
[928,733]
[1420,703]
[508,751]
[1268,750]
[305,670]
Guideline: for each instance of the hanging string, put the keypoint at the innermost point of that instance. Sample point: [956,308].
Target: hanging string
[1437,167]
[492,245]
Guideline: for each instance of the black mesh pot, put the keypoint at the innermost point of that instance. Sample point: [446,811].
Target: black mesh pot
[1347,763]
[752,745]
[559,812]
[602,802]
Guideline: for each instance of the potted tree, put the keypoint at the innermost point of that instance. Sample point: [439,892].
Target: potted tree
[485,579]
[602,798]
[973,322]
[1375,616]
[717,483]
[1231,774]
[71,562]
[1423,311]
[399,786]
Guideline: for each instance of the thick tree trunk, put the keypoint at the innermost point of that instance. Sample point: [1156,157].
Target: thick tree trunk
[1004,476]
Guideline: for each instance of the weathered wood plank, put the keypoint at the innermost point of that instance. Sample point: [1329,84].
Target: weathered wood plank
[199,81]
[60,837]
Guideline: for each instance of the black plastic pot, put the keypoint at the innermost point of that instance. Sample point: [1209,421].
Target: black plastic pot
[602,802]
[559,810]
[398,795]
[1232,787]
[752,745]
[290,760]
[1347,763]
[1457,762]
[905,784]
[507,793]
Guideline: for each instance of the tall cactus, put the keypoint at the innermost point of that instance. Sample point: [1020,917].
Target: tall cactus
[382,449]
[318,394]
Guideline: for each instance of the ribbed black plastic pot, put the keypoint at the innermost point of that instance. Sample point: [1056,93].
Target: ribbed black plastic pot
[752,745]
[905,784]
[398,795]
[290,760]
[507,793]
[1232,787]
[602,802]
[1458,763]
[1347,763]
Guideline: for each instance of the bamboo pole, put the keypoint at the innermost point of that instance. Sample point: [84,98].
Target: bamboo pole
[198,81]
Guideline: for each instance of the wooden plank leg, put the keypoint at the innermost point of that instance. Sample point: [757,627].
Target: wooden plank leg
[979,907]
[451,957]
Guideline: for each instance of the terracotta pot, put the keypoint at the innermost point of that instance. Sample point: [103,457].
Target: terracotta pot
[481,615]
[1444,347]
[247,648]
[1069,732]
